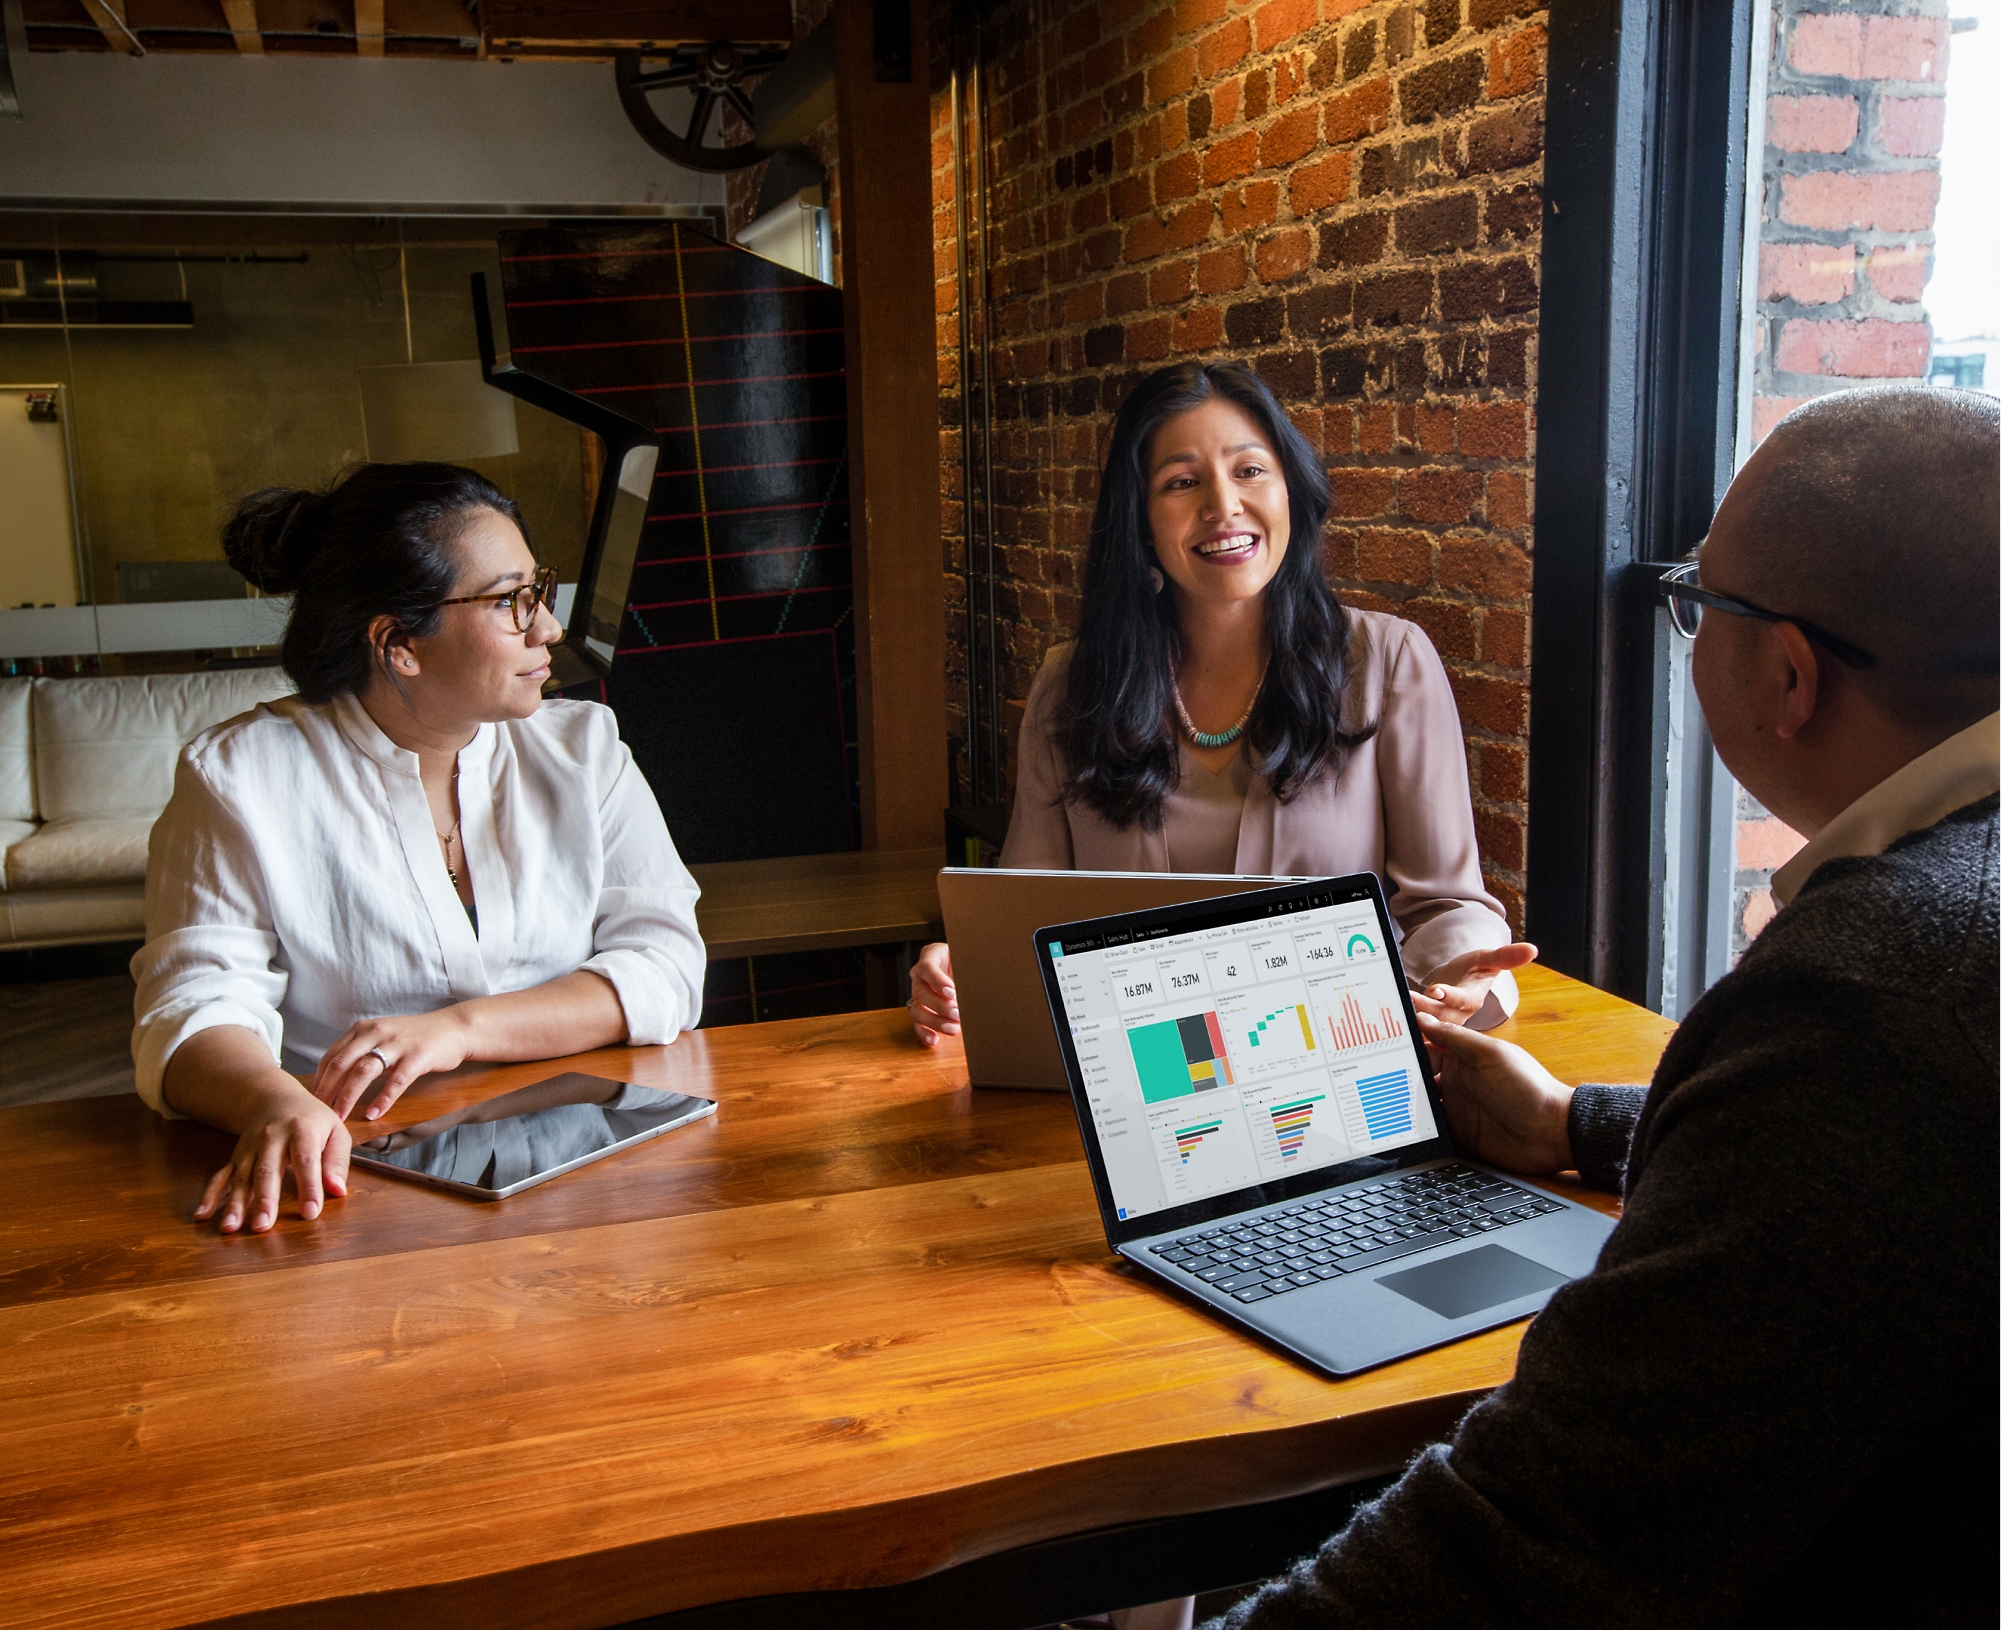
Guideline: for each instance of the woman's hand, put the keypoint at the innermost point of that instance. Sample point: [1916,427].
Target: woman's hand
[934,999]
[1458,990]
[287,1130]
[1505,1108]
[384,1056]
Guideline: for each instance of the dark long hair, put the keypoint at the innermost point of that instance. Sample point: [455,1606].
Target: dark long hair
[377,542]
[1115,720]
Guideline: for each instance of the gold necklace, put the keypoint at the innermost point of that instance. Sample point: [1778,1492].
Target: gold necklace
[458,819]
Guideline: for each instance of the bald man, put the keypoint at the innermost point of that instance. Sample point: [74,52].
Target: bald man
[1774,1400]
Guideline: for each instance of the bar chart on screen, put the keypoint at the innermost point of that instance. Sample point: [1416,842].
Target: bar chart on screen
[1201,1154]
[1269,1029]
[1295,1125]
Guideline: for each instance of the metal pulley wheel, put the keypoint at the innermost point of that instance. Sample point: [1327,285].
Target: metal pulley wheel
[715,72]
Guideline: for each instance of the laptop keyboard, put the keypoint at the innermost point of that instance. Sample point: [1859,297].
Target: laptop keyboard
[1333,1234]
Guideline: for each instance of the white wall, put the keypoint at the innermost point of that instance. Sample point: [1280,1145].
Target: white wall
[329,132]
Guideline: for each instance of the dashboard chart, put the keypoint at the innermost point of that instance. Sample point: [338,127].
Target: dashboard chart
[1231,1055]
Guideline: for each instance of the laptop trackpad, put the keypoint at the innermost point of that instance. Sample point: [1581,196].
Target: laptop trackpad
[1472,1281]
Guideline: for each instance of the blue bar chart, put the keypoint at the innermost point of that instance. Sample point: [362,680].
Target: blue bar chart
[1385,1103]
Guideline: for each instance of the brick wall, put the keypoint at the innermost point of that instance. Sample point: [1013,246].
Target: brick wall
[1853,125]
[1346,196]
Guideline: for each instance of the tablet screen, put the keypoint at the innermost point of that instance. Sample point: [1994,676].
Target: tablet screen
[522,1137]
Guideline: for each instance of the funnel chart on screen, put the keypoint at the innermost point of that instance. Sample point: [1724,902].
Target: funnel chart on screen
[1234,1055]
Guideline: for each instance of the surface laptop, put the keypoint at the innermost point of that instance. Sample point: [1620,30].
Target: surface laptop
[1266,1138]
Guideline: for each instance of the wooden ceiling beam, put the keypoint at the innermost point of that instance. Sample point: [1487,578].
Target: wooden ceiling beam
[109,15]
[368,29]
[241,16]
[637,22]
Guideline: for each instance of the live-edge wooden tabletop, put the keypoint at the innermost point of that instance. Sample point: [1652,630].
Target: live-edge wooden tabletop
[860,1325]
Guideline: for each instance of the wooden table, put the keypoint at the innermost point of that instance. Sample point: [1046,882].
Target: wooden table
[819,902]
[858,1327]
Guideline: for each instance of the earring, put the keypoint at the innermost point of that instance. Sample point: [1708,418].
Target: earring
[1159,582]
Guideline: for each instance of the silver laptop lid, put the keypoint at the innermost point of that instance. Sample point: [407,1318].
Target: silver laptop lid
[990,920]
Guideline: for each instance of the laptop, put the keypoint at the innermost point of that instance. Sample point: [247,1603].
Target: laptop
[1265,1135]
[990,921]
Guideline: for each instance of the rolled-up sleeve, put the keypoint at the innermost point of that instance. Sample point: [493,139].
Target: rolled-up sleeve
[211,951]
[1431,854]
[644,938]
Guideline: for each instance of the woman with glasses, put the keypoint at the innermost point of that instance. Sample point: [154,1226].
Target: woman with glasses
[415,862]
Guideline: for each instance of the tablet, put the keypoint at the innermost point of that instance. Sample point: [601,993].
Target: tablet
[521,1138]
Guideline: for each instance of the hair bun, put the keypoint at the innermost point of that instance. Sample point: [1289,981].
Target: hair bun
[265,540]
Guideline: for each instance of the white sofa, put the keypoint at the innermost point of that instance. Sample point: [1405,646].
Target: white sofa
[86,766]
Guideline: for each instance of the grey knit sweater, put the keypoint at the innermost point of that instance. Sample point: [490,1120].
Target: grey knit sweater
[1774,1401]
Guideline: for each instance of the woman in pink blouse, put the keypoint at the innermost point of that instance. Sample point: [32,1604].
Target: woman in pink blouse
[1221,711]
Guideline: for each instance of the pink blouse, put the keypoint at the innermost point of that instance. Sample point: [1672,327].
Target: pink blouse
[1401,808]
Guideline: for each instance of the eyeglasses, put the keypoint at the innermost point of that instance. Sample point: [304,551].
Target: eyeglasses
[1685,600]
[521,603]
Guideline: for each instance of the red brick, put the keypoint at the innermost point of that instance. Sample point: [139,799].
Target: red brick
[1339,553]
[1288,79]
[1151,37]
[1501,839]
[1765,844]
[1514,65]
[1384,556]
[1368,600]
[1149,340]
[1434,428]
[1827,45]
[1814,274]
[1084,304]
[1248,208]
[1178,177]
[1362,492]
[1494,430]
[1321,184]
[1376,429]
[1125,293]
[1504,771]
[1870,349]
[1174,127]
[1284,255]
[1759,909]
[1504,637]
[1170,282]
[1171,77]
[1831,200]
[1360,112]
[1289,138]
[1198,330]
[1307,422]
[1499,705]
[1507,501]
[1222,49]
[1144,239]
[1911,126]
[1448,623]
[1487,566]
[1190,15]
[1905,48]
[1220,270]
[1224,101]
[1230,158]
[1811,124]
[1503,891]
[1279,20]
[1897,271]
[1189,225]
[1131,195]
[1439,497]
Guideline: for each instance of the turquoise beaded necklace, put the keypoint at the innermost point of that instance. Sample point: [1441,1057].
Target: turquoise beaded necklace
[1218,738]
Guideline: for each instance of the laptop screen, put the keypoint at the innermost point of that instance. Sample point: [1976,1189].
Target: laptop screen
[1241,1043]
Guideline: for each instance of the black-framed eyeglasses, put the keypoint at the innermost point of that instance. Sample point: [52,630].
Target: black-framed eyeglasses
[522,603]
[1686,598]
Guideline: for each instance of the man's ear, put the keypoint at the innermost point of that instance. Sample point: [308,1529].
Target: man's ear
[1799,696]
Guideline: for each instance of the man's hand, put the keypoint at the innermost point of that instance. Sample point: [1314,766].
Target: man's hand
[934,999]
[287,1130]
[1458,990]
[383,1056]
[1505,1108]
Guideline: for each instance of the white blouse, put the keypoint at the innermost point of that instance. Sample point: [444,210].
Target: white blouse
[295,885]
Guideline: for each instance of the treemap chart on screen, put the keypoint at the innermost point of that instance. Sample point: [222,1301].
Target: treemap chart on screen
[1227,1056]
